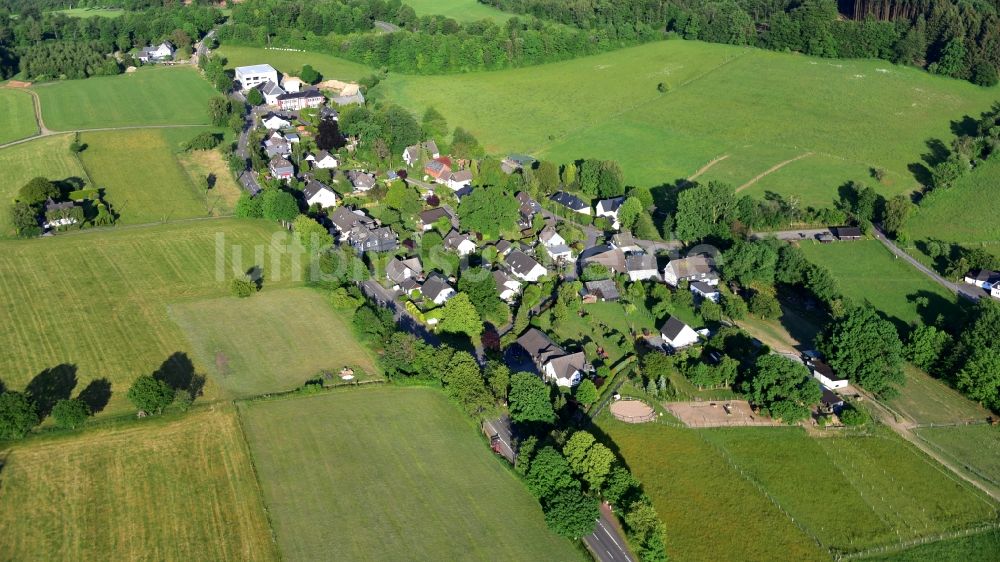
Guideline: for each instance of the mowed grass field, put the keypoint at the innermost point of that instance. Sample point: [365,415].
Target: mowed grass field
[145,182]
[965,213]
[390,474]
[98,300]
[981,547]
[151,96]
[164,489]
[927,400]
[291,62]
[760,108]
[460,10]
[17,118]
[49,157]
[866,271]
[296,334]
[701,499]
[876,489]
[976,447]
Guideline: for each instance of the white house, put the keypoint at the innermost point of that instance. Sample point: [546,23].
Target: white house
[461,244]
[315,192]
[555,244]
[324,160]
[398,270]
[271,92]
[986,280]
[274,122]
[291,83]
[255,75]
[159,52]
[524,267]
[641,267]
[609,208]
[825,375]
[411,154]
[705,291]
[506,286]
[694,268]
[677,334]
[554,363]
[437,290]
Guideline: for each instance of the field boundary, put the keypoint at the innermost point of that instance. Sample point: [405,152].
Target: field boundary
[244,441]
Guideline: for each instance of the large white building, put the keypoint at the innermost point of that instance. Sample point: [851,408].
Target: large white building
[255,75]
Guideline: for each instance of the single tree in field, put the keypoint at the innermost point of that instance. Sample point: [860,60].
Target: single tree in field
[69,413]
[242,286]
[529,399]
[17,415]
[150,395]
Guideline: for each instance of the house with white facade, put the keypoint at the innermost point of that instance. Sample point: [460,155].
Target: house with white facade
[641,267]
[705,291]
[156,53]
[825,375]
[677,334]
[524,267]
[437,289]
[255,75]
[553,362]
[507,286]
[462,244]
[398,270]
[275,121]
[317,193]
[555,244]
[609,208]
[691,269]
[323,160]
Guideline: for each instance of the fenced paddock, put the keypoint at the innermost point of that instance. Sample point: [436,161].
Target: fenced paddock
[718,413]
[630,410]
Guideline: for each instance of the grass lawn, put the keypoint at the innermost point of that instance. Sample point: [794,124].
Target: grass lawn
[390,474]
[875,489]
[460,10]
[17,120]
[291,62]
[700,498]
[151,96]
[98,300]
[947,215]
[225,192]
[90,12]
[296,335]
[867,271]
[49,157]
[927,400]
[145,182]
[178,489]
[982,547]
[976,447]
[722,100]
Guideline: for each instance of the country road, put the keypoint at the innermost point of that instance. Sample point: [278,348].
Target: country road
[967,291]
[606,543]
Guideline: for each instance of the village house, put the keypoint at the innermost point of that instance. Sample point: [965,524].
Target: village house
[345,219]
[825,375]
[270,91]
[60,214]
[361,181]
[609,208]
[600,291]
[428,218]
[503,247]
[437,289]
[641,267]
[515,162]
[524,267]
[255,75]
[553,362]
[690,269]
[677,334]
[461,244]
[460,179]
[398,270]
[846,233]
[291,83]
[438,169]
[625,242]
[316,193]
[300,100]
[705,291]
[368,239]
[611,258]
[829,402]
[507,287]
[528,209]
[323,160]
[555,244]
[985,279]
[276,121]
[280,168]
[571,202]
[411,155]
[277,145]
[156,53]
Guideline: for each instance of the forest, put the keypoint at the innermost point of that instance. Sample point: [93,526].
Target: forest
[957,39]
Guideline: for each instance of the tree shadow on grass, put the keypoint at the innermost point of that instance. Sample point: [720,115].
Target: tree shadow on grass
[50,386]
[179,374]
[96,395]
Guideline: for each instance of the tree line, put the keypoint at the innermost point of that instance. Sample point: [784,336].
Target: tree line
[947,37]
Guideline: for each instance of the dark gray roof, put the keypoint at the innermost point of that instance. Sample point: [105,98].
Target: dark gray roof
[703,288]
[830,398]
[539,346]
[672,328]
[605,289]
[361,179]
[843,232]
[434,286]
[454,239]
[396,268]
[279,163]
[565,366]
[611,258]
[611,205]
[306,94]
[431,216]
[569,200]
[51,206]
[520,263]
[313,188]
[640,262]
[345,219]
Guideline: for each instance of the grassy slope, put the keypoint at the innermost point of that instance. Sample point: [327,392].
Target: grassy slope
[17,119]
[948,215]
[397,472]
[722,100]
[143,179]
[866,270]
[153,96]
[49,157]
[99,300]
[927,400]
[286,348]
[460,10]
[700,498]
[982,547]
[160,490]
[290,62]
[977,446]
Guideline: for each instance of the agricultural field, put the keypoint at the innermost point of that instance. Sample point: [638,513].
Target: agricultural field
[459,10]
[200,164]
[975,447]
[395,471]
[700,497]
[981,547]
[164,489]
[145,182]
[866,271]
[21,162]
[926,400]
[291,62]
[17,120]
[721,101]
[151,96]
[287,347]
[97,301]
[891,491]
[947,215]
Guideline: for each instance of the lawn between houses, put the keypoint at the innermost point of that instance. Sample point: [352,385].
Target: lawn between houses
[390,473]
[17,119]
[173,488]
[150,96]
[98,300]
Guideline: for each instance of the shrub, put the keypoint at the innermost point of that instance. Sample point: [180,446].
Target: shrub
[242,286]
[852,415]
[17,415]
[204,141]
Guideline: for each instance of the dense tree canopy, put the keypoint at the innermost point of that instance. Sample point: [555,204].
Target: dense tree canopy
[781,387]
[489,210]
[865,348]
[17,415]
[529,399]
[150,395]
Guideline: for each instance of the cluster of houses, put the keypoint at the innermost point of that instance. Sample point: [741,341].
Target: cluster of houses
[986,280]
[439,169]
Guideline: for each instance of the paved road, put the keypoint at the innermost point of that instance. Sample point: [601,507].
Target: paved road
[248,179]
[387,299]
[968,291]
[606,544]
[802,234]
[505,434]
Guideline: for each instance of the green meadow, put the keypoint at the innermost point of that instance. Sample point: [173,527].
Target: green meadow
[49,157]
[17,119]
[758,108]
[926,400]
[460,10]
[390,474]
[150,96]
[947,214]
[291,62]
[974,447]
[91,12]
